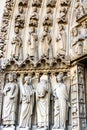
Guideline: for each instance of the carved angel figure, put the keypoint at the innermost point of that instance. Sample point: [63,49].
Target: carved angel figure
[27,99]
[10,102]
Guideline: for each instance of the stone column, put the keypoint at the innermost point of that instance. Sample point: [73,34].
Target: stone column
[78,98]
[2,76]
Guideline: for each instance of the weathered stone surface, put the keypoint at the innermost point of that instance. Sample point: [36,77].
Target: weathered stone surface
[40,40]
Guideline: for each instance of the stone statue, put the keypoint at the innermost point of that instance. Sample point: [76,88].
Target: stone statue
[37,3]
[61,40]
[21,5]
[56,111]
[34,17]
[74,33]
[79,10]
[51,3]
[77,41]
[17,48]
[48,20]
[43,102]
[27,100]
[19,23]
[62,15]
[65,2]
[10,93]
[45,45]
[33,44]
[84,33]
[63,98]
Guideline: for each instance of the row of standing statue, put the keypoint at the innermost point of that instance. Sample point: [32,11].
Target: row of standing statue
[43,93]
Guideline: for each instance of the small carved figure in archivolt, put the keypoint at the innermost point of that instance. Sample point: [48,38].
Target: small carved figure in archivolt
[34,17]
[62,18]
[22,5]
[79,10]
[48,20]
[51,3]
[36,2]
[33,44]
[62,40]
[17,48]
[45,43]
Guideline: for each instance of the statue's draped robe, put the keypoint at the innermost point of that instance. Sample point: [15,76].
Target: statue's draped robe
[27,106]
[62,94]
[43,98]
[10,104]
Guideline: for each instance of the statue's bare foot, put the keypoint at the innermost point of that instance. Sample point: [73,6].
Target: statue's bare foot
[6,126]
[12,126]
[45,127]
[39,127]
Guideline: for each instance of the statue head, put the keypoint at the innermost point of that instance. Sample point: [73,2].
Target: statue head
[75,31]
[44,78]
[10,77]
[45,28]
[59,77]
[84,24]
[27,79]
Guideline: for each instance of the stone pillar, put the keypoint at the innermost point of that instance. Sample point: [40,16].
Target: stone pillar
[2,76]
[78,98]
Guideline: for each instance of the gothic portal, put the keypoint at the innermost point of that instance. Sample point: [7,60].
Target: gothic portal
[43,65]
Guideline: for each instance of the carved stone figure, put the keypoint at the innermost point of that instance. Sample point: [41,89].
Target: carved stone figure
[65,2]
[33,44]
[62,41]
[85,6]
[79,10]
[21,5]
[27,100]
[34,17]
[43,98]
[77,41]
[63,97]
[10,102]
[48,20]
[17,48]
[84,33]
[56,112]
[19,22]
[62,15]
[51,3]
[45,43]
[74,36]
[37,3]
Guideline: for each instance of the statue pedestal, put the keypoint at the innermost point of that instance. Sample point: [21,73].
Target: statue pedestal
[41,129]
[8,128]
[23,128]
[58,129]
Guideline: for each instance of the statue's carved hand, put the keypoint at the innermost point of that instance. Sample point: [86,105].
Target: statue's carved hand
[11,97]
[4,93]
